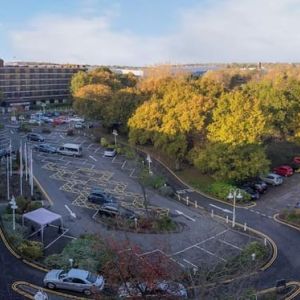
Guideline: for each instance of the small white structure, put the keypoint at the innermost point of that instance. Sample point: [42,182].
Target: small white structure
[42,217]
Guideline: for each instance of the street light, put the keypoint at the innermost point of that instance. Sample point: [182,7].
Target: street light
[149,160]
[233,195]
[13,206]
[115,133]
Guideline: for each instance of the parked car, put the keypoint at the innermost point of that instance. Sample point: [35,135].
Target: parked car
[4,153]
[98,196]
[162,288]
[253,193]
[255,184]
[113,209]
[35,137]
[45,148]
[35,121]
[272,179]
[79,125]
[75,280]
[110,152]
[284,170]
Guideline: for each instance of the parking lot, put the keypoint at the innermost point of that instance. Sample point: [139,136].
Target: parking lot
[68,181]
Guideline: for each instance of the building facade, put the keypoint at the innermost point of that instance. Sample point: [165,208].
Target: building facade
[31,84]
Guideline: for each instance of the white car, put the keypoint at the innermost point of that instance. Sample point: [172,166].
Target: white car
[273,179]
[110,152]
[75,280]
[76,119]
[35,121]
[79,125]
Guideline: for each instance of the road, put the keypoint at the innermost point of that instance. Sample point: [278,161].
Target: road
[287,264]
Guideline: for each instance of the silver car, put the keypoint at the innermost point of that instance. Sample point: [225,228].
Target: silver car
[272,178]
[74,280]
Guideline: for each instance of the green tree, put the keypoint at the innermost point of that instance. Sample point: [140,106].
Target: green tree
[78,80]
[227,162]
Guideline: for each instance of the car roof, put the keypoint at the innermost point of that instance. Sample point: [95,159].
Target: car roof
[78,273]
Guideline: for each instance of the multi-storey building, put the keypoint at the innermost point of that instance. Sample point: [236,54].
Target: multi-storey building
[30,84]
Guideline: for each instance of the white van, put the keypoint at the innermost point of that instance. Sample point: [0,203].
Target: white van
[70,150]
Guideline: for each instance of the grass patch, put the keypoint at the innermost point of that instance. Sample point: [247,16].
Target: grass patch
[292,216]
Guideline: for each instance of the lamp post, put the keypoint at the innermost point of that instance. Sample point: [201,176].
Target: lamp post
[115,133]
[233,195]
[149,160]
[13,206]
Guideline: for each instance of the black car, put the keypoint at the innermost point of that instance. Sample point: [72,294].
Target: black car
[113,210]
[4,153]
[98,196]
[256,184]
[253,193]
[35,137]
[45,148]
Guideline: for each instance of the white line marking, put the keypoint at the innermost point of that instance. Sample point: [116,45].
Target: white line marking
[177,262]
[61,136]
[97,150]
[89,146]
[184,215]
[150,252]
[188,262]
[257,212]
[229,244]
[11,131]
[93,158]
[220,208]
[213,254]
[206,240]
[263,214]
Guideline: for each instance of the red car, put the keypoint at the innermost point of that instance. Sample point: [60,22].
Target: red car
[284,171]
[296,160]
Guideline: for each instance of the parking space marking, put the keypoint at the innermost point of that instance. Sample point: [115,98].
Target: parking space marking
[211,253]
[93,158]
[188,262]
[197,244]
[229,244]
[97,150]
[61,136]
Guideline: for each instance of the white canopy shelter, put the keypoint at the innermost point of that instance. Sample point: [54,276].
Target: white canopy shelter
[42,217]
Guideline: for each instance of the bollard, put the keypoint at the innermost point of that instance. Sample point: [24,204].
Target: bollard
[178,197]
[227,219]
[135,223]
[245,226]
[212,213]
[196,204]
[265,241]
[187,200]
[253,255]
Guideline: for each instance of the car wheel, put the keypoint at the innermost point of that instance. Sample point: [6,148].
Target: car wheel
[87,292]
[51,286]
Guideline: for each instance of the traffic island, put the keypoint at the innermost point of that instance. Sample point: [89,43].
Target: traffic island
[289,218]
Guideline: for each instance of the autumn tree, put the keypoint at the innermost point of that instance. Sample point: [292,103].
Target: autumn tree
[238,119]
[137,273]
[168,121]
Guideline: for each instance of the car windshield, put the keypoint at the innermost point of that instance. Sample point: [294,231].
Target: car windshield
[62,275]
[91,277]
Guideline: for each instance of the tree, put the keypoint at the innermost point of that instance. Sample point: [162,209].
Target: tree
[91,100]
[137,273]
[79,80]
[233,163]
[238,119]
[169,120]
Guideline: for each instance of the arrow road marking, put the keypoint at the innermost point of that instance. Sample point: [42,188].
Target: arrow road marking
[184,215]
[220,208]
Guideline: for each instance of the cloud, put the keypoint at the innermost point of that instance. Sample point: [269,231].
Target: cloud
[220,31]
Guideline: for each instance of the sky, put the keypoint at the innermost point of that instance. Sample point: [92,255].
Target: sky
[148,32]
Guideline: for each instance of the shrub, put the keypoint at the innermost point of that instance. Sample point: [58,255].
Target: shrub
[31,249]
[103,142]
[165,223]
[70,132]
[1,126]
[221,190]
[153,181]
[166,190]
[22,204]
[24,128]
[34,205]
